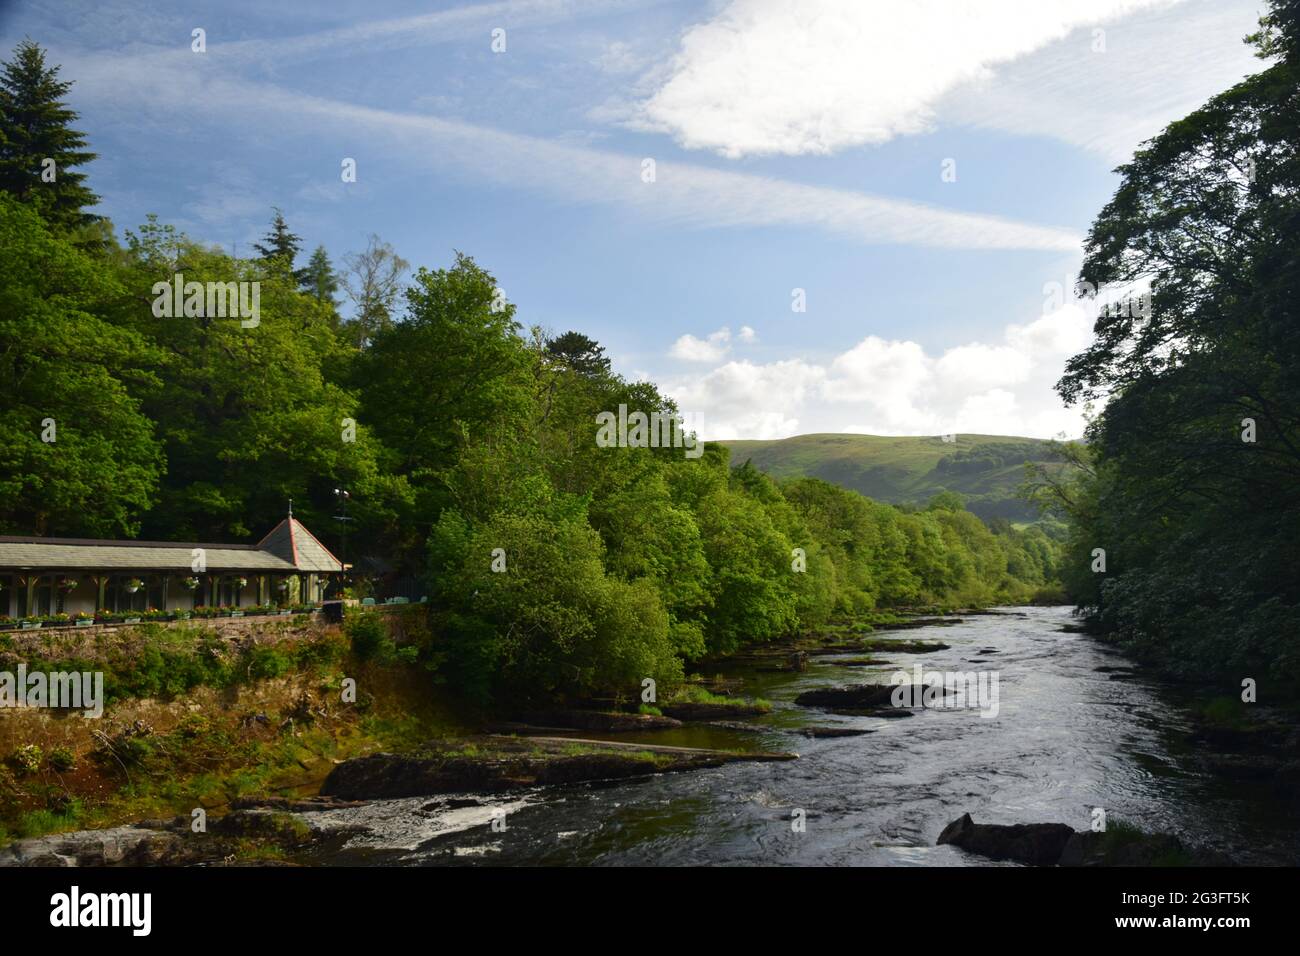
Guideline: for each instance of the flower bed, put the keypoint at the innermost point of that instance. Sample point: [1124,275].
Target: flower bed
[153,614]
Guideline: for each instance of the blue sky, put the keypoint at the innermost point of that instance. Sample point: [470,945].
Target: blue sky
[797,145]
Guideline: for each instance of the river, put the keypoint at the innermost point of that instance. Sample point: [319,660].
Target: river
[1067,738]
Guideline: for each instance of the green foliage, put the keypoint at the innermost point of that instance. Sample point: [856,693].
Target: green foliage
[248,416]
[582,354]
[35,127]
[1200,528]
[318,278]
[62,760]
[27,759]
[368,636]
[152,661]
[561,569]
[79,456]
[279,247]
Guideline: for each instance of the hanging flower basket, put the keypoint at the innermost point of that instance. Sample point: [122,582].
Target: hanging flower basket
[134,585]
[191,583]
[283,585]
[67,585]
[243,582]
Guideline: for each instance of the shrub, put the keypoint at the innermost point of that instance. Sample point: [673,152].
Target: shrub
[27,759]
[62,759]
[368,636]
[268,661]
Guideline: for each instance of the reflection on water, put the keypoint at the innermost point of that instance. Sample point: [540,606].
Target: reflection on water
[1067,739]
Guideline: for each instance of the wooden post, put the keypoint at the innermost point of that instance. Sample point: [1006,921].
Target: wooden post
[31,581]
[101,584]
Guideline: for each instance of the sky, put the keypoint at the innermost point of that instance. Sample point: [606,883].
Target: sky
[795,216]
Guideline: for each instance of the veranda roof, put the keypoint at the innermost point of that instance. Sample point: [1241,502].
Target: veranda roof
[290,548]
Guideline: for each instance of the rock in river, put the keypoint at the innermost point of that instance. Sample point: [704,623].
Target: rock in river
[1035,844]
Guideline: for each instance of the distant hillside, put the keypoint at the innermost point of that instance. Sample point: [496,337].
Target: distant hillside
[986,469]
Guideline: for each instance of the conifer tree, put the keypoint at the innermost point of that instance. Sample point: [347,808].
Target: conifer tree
[318,278]
[279,246]
[39,149]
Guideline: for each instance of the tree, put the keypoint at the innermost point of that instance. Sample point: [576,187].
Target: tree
[79,457]
[372,281]
[1195,493]
[39,149]
[455,372]
[279,247]
[247,415]
[318,278]
[582,354]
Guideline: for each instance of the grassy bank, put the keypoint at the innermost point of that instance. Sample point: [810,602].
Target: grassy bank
[195,720]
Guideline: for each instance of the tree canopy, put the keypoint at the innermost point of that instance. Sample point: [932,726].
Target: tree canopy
[1193,482]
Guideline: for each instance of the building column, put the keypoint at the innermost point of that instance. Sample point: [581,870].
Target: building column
[29,584]
[101,585]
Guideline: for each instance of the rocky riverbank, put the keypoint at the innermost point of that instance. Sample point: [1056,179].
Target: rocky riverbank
[508,763]
[269,830]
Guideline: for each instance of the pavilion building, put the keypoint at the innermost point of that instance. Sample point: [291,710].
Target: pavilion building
[43,576]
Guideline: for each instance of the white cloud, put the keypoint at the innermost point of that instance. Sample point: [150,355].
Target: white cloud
[893,387]
[735,399]
[710,349]
[976,367]
[815,76]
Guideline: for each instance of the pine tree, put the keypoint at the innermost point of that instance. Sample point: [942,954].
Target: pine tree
[318,278]
[584,355]
[280,246]
[34,130]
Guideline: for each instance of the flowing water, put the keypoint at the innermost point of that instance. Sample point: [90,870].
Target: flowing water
[1067,738]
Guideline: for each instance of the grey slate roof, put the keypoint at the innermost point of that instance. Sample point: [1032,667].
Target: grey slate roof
[289,548]
[292,542]
[108,557]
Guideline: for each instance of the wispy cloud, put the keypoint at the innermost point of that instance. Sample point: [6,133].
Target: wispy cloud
[1153,68]
[681,193]
[377,35]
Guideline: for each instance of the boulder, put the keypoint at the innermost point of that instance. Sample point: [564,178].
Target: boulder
[1034,844]
[860,697]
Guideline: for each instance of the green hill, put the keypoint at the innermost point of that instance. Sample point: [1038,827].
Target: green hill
[986,469]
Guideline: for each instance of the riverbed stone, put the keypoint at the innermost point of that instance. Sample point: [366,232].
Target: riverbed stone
[1034,844]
